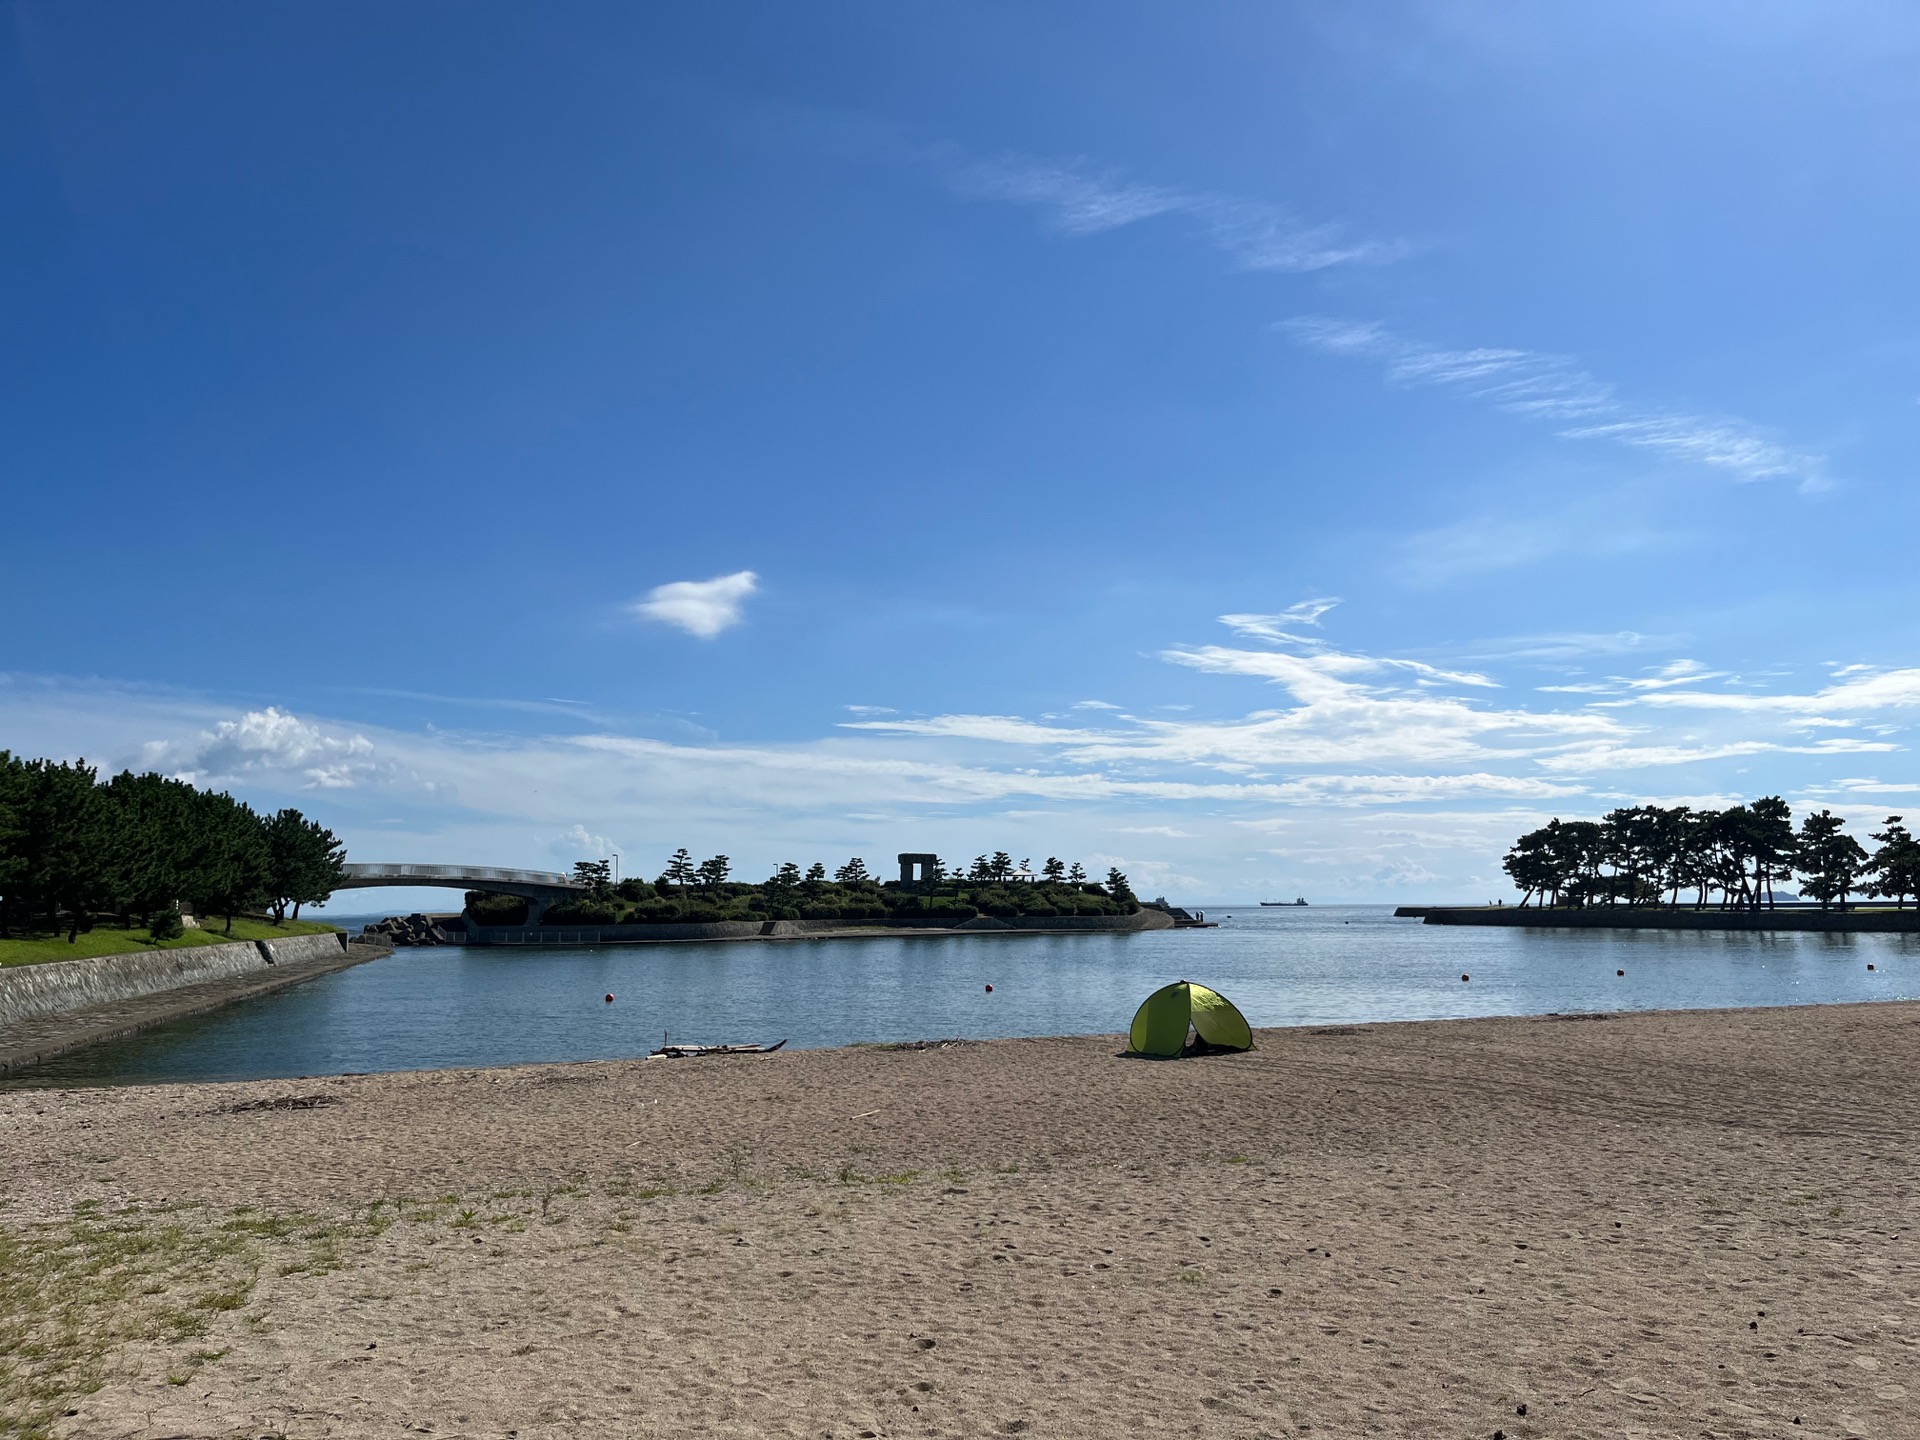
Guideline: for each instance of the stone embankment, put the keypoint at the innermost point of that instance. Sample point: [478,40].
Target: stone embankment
[1639,917]
[47,1010]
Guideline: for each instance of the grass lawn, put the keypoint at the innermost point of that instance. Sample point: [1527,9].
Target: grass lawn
[112,940]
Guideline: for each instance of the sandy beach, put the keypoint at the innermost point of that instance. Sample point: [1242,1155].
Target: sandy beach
[1695,1224]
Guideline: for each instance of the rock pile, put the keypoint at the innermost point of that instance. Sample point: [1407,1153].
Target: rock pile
[399,930]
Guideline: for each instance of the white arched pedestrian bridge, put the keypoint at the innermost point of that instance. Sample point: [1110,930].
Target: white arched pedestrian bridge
[543,887]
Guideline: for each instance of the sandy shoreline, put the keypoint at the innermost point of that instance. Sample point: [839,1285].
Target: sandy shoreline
[1694,1223]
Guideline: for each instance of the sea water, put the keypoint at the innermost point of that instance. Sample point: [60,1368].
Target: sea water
[465,1006]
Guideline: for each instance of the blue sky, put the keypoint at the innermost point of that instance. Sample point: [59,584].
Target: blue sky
[1272,448]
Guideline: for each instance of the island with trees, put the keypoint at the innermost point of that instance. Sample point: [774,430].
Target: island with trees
[1678,866]
[93,867]
[703,899]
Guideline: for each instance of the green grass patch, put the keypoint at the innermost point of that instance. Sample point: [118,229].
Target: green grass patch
[112,940]
[71,1291]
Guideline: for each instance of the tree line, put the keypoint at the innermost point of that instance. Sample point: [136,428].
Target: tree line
[139,846]
[705,891]
[1652,854]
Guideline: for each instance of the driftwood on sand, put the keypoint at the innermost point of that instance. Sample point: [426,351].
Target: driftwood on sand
[681,1052]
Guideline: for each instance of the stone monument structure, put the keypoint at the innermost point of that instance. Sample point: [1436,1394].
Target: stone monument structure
[925,865]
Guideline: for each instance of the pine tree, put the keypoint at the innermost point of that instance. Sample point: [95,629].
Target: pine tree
[854,872]
[235,868]
[595,877]
[713,873]
[1053,872]
[681,873]
[304,861]
[1828,860]
[1896,864]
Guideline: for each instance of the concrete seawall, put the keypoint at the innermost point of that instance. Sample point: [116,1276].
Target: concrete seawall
[48,1010]
[1626,917]
[1144,919]
[32,992]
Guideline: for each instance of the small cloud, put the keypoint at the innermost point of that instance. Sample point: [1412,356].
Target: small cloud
[702,608]
[1167,830]
[1278,627]
[1094,705]
[579,841]
[870,709]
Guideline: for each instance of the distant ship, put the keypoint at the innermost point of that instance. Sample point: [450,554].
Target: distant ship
[1270,904]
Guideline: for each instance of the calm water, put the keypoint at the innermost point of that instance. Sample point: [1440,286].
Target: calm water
[424,1009]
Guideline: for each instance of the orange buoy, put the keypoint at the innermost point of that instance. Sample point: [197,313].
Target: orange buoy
[609,999]
[989,989]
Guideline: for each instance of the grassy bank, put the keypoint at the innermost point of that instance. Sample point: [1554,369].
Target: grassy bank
[113,940]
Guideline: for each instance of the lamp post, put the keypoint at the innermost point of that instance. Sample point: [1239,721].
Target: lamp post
[616,867]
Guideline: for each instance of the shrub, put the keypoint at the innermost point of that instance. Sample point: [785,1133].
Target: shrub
[634,890]
[581,912]
[165,924]
[492,909]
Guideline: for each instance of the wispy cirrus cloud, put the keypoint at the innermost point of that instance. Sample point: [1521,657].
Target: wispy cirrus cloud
[1553,388]
[1078,197]
[1591,759]
[1882,690]
[1567,645]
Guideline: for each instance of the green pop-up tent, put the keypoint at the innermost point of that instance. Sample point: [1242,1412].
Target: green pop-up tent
[1160,1024]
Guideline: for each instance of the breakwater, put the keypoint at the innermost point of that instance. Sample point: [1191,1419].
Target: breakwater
[1640,917]
[1144,919]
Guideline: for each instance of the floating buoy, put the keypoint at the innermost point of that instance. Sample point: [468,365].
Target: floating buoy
[989,989]
[1465,978]
[609,999]
[1869,967]
[1619,972]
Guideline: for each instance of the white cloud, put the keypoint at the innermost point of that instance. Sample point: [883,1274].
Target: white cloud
[1079,198]
[1553,388]
[1626,757]
[1887,690]
[270,745]
[1365,764]
[578,841]
[1349,709]
[702,608]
